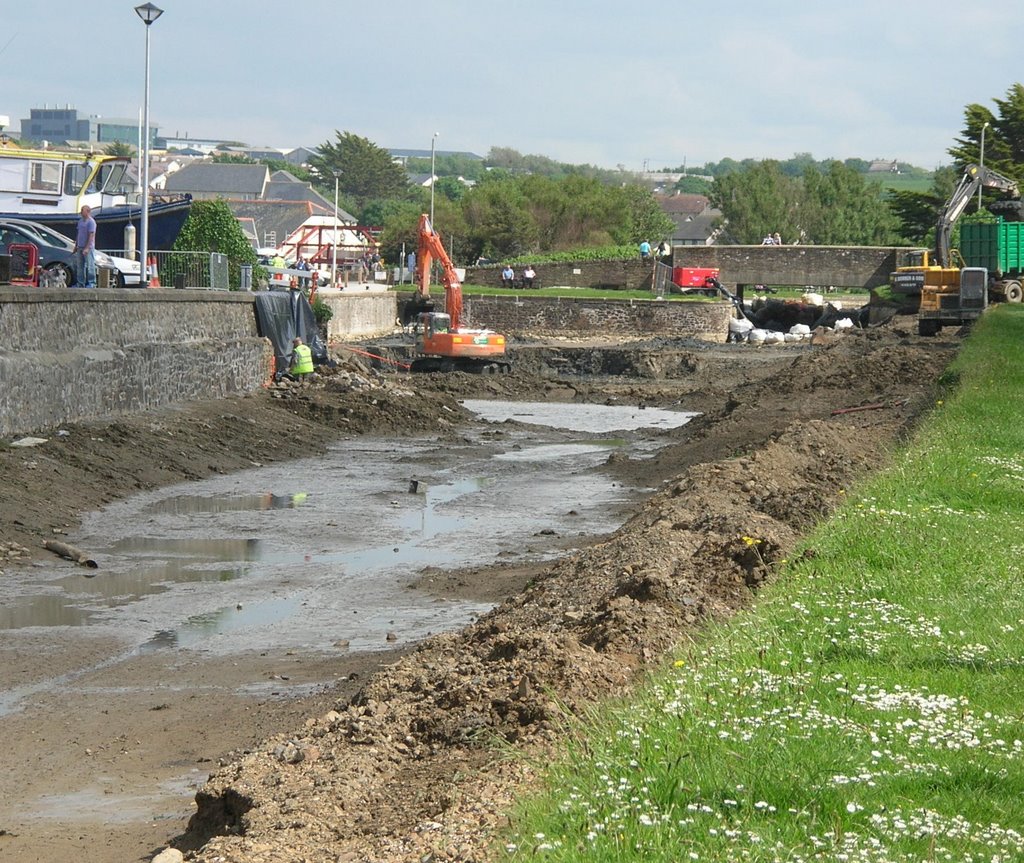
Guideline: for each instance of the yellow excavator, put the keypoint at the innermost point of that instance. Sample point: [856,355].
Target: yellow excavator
[951,293]
[443,344]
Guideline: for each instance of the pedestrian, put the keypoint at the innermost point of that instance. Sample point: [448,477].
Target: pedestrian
[410,265]
[85,249]
[645,251]
[664,250]
[278,262]
[302,264]
[301,365]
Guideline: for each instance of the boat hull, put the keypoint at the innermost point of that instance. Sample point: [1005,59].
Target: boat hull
[166,219]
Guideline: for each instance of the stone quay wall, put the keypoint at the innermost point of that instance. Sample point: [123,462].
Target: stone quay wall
[68,356]
[526,315]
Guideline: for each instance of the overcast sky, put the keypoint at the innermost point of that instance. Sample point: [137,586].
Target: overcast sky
[605,82]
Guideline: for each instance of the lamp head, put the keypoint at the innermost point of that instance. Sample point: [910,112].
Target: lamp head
[148,13]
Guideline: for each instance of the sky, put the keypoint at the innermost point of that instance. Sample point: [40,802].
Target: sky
[655,85]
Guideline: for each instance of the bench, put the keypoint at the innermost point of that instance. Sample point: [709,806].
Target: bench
[520,283]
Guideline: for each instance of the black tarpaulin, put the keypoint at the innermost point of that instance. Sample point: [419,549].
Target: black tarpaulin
[283,315]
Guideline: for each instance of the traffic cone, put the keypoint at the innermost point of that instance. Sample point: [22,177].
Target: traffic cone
[154,273]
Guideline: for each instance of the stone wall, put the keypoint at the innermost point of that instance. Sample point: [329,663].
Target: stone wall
[68,356]
[631,275]
[819,266]
[71,356]
[526,315]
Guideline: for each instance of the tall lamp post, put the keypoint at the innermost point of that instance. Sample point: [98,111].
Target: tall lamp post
[334,236]
[432,141]
[981,164]
[148,13]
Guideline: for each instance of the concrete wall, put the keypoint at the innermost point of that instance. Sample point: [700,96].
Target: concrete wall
[359,315]
[530,315]
[77,355]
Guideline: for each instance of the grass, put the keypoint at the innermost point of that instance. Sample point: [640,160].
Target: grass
[868,708]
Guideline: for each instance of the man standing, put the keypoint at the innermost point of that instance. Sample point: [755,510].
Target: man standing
[85,249]
[645,251]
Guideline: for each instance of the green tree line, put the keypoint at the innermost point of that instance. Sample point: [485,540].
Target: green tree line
[512,205]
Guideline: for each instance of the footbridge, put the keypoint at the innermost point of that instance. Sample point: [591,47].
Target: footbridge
[820,266]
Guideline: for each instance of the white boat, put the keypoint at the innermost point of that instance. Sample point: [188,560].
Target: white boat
[51,187]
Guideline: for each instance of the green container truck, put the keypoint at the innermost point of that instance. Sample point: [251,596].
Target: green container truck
[998,247]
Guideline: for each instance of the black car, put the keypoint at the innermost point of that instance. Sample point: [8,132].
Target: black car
[54,257]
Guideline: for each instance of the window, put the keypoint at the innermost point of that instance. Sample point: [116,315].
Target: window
[44,176]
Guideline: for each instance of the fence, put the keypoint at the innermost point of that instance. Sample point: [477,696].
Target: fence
[196,269]
[662,279]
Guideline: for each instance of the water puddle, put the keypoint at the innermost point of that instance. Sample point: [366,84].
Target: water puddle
[321,551]
[597,419]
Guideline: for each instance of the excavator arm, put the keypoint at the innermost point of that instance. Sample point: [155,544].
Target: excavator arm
[430,249]
[974,178]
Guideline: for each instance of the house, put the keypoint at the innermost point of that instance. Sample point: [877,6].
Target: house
[402,156]
[285,186]
[694,217]
[301,155]
[212,180]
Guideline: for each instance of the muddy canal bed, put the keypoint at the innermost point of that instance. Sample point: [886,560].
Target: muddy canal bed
[273,591]
[321,554]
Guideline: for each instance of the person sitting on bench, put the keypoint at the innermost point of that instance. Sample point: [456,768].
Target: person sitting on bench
[508,277]
[529,274]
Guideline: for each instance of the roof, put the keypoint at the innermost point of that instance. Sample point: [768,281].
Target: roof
[683,204]
[280,218]
[284,186]
[425,154]
[216,178]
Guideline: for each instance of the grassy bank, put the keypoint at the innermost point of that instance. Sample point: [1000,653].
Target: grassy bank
[869,708]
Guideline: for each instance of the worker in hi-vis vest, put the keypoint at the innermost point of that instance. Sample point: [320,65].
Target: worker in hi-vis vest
[302,359]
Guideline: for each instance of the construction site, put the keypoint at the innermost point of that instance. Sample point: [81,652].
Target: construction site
[301,613]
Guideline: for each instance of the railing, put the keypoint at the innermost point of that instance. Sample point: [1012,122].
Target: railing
[197,268]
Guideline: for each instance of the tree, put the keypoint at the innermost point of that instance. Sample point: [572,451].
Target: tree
[366,170]
[691,185]
[119,148]
[232,159]
[212,227]
[758,200]
[645,220]
[917,212]
[841,208]
[498,222]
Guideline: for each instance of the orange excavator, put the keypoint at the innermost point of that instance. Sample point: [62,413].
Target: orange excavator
[443,343]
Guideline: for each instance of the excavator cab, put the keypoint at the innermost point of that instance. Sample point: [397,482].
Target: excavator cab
[432,323]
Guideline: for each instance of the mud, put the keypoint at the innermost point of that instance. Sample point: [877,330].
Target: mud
[391,756]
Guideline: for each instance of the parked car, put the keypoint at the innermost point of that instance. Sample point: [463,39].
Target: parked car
[56,252]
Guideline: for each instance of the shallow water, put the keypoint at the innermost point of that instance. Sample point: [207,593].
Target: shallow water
[312,553]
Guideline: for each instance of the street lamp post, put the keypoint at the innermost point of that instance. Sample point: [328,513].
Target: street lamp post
[981,164]
[432,141]
[148,13]
[334,236]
